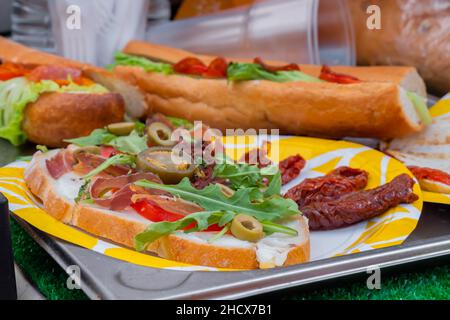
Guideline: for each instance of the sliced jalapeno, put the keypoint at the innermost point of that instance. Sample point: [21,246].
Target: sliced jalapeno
[159,160]
[121,128]
[246,228]
[160,134]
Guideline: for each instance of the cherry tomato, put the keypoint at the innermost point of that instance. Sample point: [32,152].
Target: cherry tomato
[190,65]
[217,69]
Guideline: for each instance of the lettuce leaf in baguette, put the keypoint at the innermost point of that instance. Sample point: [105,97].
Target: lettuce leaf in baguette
[253,71]
[123,59]
[15,94]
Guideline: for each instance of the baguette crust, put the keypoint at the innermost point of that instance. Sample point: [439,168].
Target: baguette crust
[58,116]
[320,109]
[375,108]
[118,228]
[406,77]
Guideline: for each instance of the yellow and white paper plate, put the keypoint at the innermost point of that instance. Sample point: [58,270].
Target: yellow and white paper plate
[388,229]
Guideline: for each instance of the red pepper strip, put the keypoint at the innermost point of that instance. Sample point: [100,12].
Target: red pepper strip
[327,75]
[430,174]
[190,65]
[288,67]
[217,68]
[10,71]
[194,66]
[107,151]
[151,211]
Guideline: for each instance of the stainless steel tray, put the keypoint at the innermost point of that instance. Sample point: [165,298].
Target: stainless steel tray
[103,277]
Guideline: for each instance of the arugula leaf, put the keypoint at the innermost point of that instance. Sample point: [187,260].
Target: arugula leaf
[96,138]
[211,198]
[160,229]
[145,63]
[270,227]
[42,148]
[132,144]
[254,71]
[242,175]
[115,160]
[83,191]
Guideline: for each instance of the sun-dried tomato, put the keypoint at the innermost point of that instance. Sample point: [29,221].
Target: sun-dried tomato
[290,168]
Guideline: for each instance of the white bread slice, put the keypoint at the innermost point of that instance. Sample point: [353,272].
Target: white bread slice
[121,227]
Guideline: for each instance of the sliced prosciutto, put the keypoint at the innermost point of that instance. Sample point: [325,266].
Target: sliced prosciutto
[60,164]
[119,190]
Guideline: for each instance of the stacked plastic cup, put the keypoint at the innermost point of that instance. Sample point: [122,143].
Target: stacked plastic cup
[301,31]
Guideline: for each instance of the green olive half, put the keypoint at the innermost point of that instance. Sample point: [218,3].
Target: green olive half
[121,128]
[246,228]
[160,160]
[160,134]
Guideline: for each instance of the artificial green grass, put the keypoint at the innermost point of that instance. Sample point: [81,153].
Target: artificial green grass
[40,268]
[433,283]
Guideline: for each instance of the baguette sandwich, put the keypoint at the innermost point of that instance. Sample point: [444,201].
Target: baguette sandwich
[376,102]
[112,185]
[426,154]
[47,99]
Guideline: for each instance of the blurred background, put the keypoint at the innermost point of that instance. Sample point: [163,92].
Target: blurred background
[331,32]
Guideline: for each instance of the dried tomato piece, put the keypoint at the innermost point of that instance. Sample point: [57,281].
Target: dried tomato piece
[338,182]
[359,205]
[288,67]
[327,75]
[290,168]
[190,65]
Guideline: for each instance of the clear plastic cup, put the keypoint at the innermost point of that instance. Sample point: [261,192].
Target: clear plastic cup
[301,31]
[105,27]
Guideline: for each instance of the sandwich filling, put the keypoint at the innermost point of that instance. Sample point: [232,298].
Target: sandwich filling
[219,68]
[20,86]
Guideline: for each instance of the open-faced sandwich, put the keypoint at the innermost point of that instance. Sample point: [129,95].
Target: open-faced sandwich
[46,98]
[376,102]
[129,183]
[125,183]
